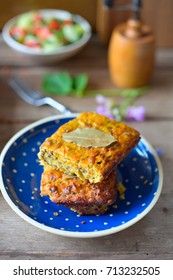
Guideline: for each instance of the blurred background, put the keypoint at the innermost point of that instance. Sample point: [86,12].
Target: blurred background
[158,14]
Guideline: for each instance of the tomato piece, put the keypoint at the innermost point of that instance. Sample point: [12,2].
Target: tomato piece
[54,24]
[43,32]
[37,18]
[18,33]
[68,22]
[32,42]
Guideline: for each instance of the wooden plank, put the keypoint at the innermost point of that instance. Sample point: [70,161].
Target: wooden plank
[159,15]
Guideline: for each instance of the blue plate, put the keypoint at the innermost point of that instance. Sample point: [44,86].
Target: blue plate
[140,172]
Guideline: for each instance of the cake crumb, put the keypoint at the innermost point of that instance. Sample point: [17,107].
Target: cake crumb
[55,214]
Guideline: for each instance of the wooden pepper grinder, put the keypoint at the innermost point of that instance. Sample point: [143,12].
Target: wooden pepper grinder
[131,52]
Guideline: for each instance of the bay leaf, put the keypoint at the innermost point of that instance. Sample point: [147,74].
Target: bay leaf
[89,137]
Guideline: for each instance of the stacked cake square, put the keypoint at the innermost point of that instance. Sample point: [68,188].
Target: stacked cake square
[80,160]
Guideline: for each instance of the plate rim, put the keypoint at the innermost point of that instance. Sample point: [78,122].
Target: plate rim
[76,234]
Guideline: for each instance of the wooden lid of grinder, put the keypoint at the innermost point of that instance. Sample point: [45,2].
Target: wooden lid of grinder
[133,29]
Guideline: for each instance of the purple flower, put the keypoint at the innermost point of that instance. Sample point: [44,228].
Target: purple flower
[100,99]
[136,113]
[101,109]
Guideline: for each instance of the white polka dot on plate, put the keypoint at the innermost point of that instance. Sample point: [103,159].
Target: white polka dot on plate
[24,140]
[128,203]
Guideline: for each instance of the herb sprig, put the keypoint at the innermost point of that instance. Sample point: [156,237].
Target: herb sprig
[62,83]
[124,110]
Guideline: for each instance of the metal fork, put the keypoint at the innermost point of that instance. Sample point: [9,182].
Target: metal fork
[33,97]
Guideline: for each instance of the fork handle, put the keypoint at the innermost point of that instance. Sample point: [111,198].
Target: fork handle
[55,104]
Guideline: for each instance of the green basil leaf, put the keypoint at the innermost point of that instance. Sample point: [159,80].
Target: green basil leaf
[58,83]
[79,84]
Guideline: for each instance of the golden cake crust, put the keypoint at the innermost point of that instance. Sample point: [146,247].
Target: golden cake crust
[82,196]
[88,163]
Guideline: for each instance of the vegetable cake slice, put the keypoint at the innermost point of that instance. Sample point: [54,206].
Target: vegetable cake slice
[82,196]
[92,163]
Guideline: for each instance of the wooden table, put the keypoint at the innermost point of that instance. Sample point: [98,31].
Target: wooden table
[151,237]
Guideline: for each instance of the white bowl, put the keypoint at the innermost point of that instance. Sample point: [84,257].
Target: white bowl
[58,54]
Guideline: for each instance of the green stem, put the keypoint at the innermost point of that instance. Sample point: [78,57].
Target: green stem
[103,92]
[132,93]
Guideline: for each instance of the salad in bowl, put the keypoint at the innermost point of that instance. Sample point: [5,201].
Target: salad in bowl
[47,32]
